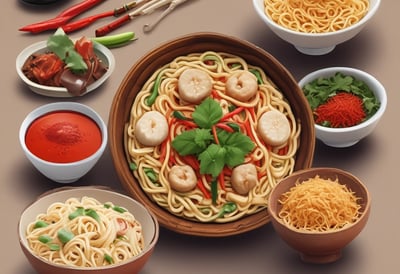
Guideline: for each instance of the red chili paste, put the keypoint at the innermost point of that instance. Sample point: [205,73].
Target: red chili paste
[63,137]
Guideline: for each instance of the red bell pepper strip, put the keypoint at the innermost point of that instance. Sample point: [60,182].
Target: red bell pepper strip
[61,18]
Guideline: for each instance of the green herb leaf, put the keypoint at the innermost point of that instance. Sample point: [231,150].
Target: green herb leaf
[212,160]
[236,145]
[192,142]
[64,48]
[207,114]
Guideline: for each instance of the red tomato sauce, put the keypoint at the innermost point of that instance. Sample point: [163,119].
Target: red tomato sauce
[63,137]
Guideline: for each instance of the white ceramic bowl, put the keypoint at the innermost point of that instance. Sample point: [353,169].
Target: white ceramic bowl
[345,137]
[142,214]
[63,172]
[320,43]
[101,51]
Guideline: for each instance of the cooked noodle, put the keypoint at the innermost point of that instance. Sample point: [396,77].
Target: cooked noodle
[319,205]
[312,16]
[271,164]
[94,240]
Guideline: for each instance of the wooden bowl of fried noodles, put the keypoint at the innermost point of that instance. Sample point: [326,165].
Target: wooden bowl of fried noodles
[333,194]
[127,96]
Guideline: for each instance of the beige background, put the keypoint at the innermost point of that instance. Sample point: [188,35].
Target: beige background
[374,160]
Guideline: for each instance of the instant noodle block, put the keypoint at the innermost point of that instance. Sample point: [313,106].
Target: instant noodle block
[324,246]
[147,220]
[319,43]
[213,201]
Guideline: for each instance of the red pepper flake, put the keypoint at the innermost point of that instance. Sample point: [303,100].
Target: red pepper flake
[345,109]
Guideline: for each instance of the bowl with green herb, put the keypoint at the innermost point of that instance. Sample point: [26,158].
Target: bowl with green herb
[346,103]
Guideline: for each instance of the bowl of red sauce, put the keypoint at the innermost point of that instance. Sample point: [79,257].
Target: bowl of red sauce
[63,140]
[347,104]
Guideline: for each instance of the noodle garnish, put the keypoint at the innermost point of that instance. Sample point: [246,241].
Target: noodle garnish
[319,205]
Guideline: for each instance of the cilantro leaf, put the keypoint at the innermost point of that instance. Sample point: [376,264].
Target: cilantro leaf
[64,48]
[212,160]
[192,141]
[231,149]
[207,114]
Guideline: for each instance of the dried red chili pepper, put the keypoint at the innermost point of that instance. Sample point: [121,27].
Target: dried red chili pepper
[61,18]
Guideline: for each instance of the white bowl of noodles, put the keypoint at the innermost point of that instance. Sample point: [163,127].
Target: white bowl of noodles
[116,233]
[323,36]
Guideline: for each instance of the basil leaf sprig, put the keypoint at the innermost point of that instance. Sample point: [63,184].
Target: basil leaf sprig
[230,150]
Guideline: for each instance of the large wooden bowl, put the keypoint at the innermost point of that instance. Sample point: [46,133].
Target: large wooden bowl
[201,42]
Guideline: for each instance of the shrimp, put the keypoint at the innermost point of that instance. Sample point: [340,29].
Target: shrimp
[274,127]
[244,178]
[182,178]
[151,129]
[242,85]
[194,85]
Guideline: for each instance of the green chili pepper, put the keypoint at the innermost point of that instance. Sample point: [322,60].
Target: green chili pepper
[132,166]
[92,213]
[234,126]
[179,115]
[211,58]
[151,174]
[40,224]
[119,209]
[258,76]
[214,191]
[45,239]
[108,259]
[229,207]
[53,247]
[152,98]
[65,236]
[117,40]
[78,212]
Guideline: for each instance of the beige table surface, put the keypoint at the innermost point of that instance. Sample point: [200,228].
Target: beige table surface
[374,160]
